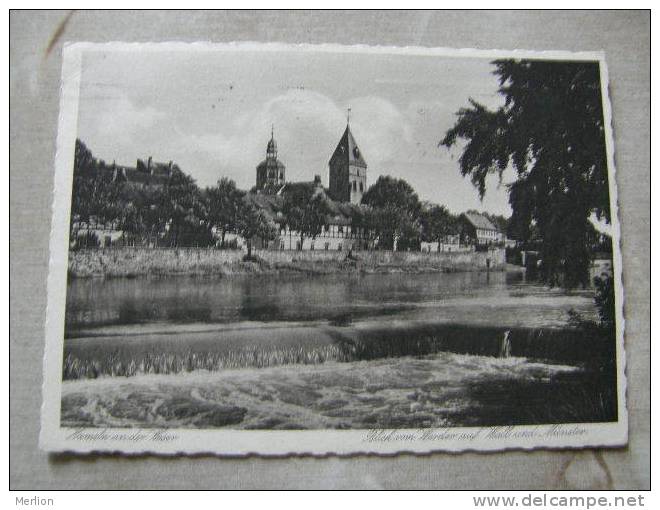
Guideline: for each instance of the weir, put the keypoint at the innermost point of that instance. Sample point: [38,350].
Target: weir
[221,349]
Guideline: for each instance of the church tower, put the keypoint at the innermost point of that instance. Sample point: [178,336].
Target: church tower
[348,170]
[270,172]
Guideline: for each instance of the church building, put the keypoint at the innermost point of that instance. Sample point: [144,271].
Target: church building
[348,170]
[270,172]
[343,228]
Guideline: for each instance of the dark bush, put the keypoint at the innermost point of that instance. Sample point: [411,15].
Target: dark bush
[86,239]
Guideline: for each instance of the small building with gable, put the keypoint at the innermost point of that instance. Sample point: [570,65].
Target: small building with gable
[478,230]
[146,173]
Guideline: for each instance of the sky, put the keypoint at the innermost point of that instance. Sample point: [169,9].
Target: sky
[211,112]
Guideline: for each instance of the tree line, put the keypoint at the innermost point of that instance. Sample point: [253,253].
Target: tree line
[550,130]
[176,213]
[180,213]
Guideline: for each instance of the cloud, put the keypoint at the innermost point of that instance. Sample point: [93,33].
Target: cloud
[382,131]
[115,128]
[308,125]
[120,118]
[395,140]
[211,113]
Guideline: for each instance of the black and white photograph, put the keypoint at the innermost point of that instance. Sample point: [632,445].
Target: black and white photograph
[275,248]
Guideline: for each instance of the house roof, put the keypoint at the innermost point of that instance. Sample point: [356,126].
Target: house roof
[342,213]
[154,167]
[339,213]
[348,148]
[135,176]
[306,186]
[270,204]
[479,221]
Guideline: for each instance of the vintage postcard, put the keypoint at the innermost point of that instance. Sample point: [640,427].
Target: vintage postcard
[273,249]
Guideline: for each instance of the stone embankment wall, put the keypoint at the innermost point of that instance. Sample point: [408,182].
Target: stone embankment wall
[131,262]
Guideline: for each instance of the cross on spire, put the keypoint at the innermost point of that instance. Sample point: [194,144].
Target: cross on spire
[348,116]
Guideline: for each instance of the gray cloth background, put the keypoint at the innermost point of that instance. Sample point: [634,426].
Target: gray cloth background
[34,105]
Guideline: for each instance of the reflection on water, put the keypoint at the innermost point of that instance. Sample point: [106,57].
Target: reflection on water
[497,298]
[263,352]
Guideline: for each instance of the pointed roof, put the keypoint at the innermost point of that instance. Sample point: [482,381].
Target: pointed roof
[347,147]
[271,148]
[479,221]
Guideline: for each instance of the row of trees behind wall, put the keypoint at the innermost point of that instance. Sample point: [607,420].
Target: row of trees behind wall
[179,213]
[549,129]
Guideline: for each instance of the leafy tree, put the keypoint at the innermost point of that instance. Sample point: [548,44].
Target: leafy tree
[178,208]
[395,211]
[252,222]
[143,216]
[224,201]
[437,222]
[87,239]
[305,211]
[551,131]
[408,235]
[390,192]
[361,220]
[393,229]
[95,197]
[83,160]
[605,301]
[183,206]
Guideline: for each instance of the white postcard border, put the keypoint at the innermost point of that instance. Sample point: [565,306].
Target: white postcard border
[170,441]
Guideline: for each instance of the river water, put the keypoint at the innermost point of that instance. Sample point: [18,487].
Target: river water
[502,299]
[292,351]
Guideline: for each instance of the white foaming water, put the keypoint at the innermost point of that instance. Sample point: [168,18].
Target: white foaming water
[431,391]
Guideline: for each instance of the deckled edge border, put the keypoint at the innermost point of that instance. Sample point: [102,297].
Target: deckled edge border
[50,438]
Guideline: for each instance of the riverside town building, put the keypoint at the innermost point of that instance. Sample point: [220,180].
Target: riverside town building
[347,171]
[344,225]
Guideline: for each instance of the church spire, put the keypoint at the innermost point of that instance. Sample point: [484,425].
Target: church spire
[347,168]
[271,148]
[270,172]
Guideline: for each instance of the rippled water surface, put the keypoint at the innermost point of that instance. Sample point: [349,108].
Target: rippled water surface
[484,298]
[340,351]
